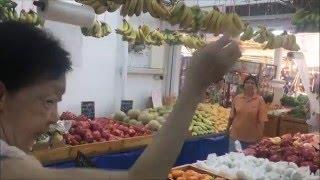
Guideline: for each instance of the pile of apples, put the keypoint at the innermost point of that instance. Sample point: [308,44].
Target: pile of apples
[84,130]
[301,149]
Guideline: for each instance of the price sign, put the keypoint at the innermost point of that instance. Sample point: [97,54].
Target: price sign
[126,105]
[87,109]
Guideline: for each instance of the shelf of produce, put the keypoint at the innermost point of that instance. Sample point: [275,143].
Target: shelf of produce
[70,152]
[290,125]
[184,168]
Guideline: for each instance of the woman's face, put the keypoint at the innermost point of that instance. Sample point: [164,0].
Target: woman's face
[27,113]
[249,85]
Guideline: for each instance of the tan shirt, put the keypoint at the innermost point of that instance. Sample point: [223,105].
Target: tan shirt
[248,116]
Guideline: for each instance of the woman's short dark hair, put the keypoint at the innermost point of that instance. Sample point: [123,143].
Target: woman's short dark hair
[29,54]
[253,78]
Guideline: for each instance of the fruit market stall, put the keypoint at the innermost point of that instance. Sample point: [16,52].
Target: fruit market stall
[125,137]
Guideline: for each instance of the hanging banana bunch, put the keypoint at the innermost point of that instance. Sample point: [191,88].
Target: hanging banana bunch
[305,20]
[182,15]
[8,14]
[198,18]
[171,38]
[216,22]
[155,38]
[30,17]
[101,6]
[156,9]
[247,34]
[192,41]
[141,34]
[98,30]
[132,7]
[127,32]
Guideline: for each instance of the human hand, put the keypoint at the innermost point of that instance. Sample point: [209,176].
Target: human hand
[211,63]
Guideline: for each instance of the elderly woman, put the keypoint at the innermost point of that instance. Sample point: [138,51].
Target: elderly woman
[247,116]
[33,68]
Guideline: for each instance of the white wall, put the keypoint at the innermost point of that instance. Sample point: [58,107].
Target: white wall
[92,79]
[95,64]
[139,87]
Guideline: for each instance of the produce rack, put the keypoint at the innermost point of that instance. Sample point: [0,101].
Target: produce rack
[49,156]
[70,152]
[280,124]
[292,125]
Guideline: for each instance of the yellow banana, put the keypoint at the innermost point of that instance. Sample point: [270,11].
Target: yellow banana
[164,10]
[139,8]
[138,38]
[188,20]
[125,9]
[112,7]
[216,27]
[177,13]
[213,21]
[142,35]
[145,29]
[101,9]
[237,22]
[132,7]
[207,19]
[145,9]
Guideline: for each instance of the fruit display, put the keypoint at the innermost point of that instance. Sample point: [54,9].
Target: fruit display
[98,30]
[208,119]
[51,139]
[216,22]
[154,7]
[192,41]
[84,130]
[151,118]
[270,41]
[239,166]
[9,13]
[194,19]
[201,123]
[301,149]
[144,35]
[306,20]
[178,174]
[299,105]
[101,6]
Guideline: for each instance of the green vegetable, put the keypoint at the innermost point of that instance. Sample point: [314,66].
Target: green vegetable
[303,99]
[289,101]
[298,112]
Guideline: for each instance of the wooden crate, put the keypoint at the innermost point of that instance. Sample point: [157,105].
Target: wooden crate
[271,128]
[198,170]
[70,152]
[290,125]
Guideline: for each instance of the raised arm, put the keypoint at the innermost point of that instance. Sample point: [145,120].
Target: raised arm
[208,66]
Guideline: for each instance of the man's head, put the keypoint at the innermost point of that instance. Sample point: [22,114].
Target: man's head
[32,80]
[250,83]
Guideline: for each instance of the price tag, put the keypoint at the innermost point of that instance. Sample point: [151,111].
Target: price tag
[87,109]
[126,105]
